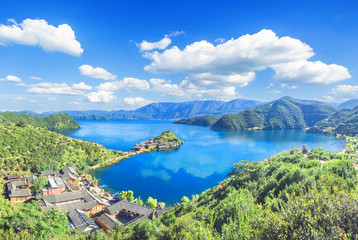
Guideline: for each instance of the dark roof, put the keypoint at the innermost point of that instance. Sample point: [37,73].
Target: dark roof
[107,220]
[31,179]
[69,170]
[63,197]
[20,192]
[47,172]
[12,177]
[125,205]
[80,220]
[15,184]
[68,207]
[66,176]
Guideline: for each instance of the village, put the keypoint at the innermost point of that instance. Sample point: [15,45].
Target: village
[88,207]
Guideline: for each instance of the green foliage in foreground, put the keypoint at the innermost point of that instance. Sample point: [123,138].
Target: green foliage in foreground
[57,121]
[29,221]
[35,149]
[288,196]
[167,136]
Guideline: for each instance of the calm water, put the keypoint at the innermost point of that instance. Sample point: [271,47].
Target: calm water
[201,163]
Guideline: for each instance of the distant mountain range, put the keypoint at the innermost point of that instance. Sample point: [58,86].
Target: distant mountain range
[164,110]
[349,104]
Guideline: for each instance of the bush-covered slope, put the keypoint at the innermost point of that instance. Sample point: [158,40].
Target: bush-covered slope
[344,122]
[56,121]
[28,148]
[288,196]
[284,113]
[205,121]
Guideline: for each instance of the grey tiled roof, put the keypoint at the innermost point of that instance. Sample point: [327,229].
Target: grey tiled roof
[80,220]
[20,192]
[63,197]
[31,179]
[107,220]
[14,184]
[47,172]
[69,170]
[125,205]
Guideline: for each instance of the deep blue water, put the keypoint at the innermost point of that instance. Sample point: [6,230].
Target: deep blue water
[200,163]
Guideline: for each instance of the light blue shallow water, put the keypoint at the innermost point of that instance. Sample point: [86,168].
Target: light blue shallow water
[201,163]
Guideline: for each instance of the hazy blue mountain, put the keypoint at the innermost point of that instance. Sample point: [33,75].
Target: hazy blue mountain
[284,113]
[349,104]
[168,110]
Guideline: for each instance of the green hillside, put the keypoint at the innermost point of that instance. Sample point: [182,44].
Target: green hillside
[167,136]
[284,113]
[344,122]
[57,121]
[287,196]
[28,148]
[206,120]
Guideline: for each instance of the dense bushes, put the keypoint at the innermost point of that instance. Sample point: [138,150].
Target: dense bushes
[35,149]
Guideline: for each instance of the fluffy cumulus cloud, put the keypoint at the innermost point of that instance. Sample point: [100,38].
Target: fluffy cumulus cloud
[162,44]
[186,89]
[81,86]
[295,74]
[348,91]
[101,96]
[55,88]
[37,32]
[233,63]
[127,84]
[11,78]
[136,101]
[97,72]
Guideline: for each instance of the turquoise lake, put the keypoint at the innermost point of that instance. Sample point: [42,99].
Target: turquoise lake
[200,163]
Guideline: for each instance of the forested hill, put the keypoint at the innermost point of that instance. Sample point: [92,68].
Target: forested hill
[32,149]
[55,121]
[344,122]
[206,120]
[284,113]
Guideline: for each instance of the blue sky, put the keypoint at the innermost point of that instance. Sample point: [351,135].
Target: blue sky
[110,55]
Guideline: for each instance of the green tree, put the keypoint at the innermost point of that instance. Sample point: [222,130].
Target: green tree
[151,202]
[39,184]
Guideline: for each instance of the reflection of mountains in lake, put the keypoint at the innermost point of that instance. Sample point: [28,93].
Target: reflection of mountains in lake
[200,163]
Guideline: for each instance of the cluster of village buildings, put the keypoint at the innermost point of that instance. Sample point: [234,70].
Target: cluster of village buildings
[86,208]
[151,145]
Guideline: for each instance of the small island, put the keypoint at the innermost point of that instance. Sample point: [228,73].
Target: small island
[165,141]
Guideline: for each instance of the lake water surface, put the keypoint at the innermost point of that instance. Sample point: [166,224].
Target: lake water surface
[200,163]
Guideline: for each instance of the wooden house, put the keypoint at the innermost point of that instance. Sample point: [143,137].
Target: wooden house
[19,195]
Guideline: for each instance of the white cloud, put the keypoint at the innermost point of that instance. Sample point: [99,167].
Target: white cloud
[101,96]
[35,78]
[233,63]
[52,99]
[303,72]
[37,32]
[20,99]
[327,99]
[348,91]
[245,54]
[127,84]
[162,44]
[219,40]
[32,100]
[137,101]
[53,88]
[186,89]
[275,91]
[175,33]
[100,73]
[11,78]
[81,86]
